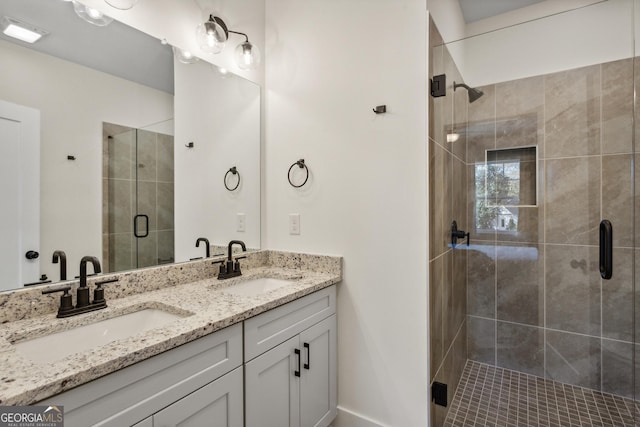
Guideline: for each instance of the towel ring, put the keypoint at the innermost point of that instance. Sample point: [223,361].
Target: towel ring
[234,171]
[300,164]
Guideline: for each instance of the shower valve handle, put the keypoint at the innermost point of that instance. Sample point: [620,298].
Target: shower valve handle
[457,234]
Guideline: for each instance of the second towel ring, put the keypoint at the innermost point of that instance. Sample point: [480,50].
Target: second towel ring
[300,164]
[233,171]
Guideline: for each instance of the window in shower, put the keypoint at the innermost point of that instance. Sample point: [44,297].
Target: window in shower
[505,183]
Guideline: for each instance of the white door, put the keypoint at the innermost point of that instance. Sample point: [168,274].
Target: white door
[19,193]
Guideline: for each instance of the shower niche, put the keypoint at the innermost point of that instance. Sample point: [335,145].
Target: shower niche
[138,196]
[504,183]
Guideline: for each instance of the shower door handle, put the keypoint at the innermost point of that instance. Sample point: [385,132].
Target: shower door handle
[606,249]
[135,225]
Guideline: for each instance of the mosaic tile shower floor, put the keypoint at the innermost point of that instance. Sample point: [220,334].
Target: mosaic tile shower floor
[491,396]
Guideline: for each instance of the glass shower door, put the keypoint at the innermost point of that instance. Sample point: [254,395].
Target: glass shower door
[138,221]
[549,149]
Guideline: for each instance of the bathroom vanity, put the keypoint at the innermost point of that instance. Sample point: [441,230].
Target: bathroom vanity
[255,350]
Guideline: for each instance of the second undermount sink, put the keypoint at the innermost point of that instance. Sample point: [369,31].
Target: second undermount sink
[59,345]
[258,286]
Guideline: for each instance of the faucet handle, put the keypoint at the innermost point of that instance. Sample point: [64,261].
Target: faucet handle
[66,302]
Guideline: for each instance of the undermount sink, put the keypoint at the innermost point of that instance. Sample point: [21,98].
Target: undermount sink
[255,287]
[56,346]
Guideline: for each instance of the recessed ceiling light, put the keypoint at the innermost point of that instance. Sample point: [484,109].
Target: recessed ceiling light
[21,30]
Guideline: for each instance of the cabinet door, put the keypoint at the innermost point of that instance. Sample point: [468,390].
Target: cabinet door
[218,404]
[318,388]
[272,391]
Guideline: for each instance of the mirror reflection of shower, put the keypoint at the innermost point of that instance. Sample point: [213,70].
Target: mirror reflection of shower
[138,196]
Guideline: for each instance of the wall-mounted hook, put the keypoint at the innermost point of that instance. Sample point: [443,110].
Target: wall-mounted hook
[71,157]
[189,145]
[380,109]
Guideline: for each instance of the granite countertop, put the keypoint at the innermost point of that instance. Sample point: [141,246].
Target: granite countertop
[206,308]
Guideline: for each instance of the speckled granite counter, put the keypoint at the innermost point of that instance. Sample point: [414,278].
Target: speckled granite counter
[189,289]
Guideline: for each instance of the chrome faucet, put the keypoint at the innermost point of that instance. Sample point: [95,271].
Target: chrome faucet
[62,258]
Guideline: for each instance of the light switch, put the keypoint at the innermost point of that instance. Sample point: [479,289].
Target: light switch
[294,224]
[241,222]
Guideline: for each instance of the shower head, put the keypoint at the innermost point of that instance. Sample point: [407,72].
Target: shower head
[474,93]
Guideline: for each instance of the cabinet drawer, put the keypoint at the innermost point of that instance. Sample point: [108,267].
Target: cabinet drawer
[269,329]
[129,395]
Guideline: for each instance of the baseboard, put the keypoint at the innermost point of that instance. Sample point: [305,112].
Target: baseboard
[347,418]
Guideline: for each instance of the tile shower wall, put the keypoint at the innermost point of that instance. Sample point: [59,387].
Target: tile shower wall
[448,202]
[137,177]
[535,300]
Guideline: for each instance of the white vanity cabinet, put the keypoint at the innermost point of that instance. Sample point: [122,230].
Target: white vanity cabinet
[218,404]
[290,364]
[200,377]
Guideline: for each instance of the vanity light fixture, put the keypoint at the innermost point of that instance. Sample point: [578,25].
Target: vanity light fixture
[184,56]
[121,4]
[91,15]
[21,30]
[212,36]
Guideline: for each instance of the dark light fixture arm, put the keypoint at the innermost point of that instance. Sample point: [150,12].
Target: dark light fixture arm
[242,34]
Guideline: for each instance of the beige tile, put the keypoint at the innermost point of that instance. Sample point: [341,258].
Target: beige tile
[165,206]
[165,158]
[166,253]
[572,200]
[481,337]
[147,253]
[121,255]
[147,204]
[572,112]
[481,280]
[146,155]
[617,298]
[120,155]
[520,283]
[617,368]
[617,106]
[572,283]
[520,113]
[573,359]
[481,127]
[520,347]
[120,206]
[440,199]
[617,197]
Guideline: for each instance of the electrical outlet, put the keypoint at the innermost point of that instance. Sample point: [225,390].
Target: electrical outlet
[241,222]
[294,224]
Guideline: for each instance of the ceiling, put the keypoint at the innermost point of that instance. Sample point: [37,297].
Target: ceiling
[475,10]
[116,49]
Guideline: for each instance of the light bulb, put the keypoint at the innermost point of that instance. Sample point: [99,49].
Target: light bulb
[91,15]
[247,56]
[211,36]
[95,14]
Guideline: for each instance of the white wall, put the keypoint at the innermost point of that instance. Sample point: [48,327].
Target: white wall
[73,102]
[221,116]
[328,64]
[591,35]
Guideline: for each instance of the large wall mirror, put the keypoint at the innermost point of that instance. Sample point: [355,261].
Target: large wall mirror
[91,97]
